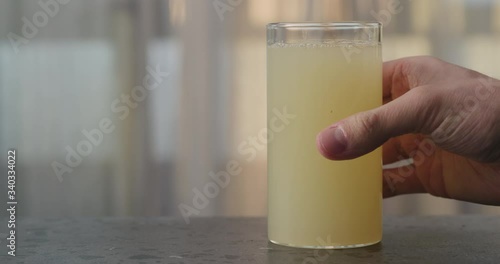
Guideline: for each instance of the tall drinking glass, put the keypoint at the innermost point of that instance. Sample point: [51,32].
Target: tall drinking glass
[317,74]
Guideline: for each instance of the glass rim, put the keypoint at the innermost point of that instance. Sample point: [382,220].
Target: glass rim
[333,25]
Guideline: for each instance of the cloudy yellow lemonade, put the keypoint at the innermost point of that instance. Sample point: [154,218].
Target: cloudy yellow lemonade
[312,201]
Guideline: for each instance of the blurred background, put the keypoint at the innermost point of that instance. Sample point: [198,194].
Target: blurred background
[71,67]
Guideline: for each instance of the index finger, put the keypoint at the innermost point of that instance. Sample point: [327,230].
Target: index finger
[394,78]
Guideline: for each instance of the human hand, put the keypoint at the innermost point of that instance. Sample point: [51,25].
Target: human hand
[445,117]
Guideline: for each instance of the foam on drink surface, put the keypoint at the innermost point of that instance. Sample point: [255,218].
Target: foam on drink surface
[326,44]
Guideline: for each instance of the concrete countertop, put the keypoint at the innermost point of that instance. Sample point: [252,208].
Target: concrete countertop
[450,239]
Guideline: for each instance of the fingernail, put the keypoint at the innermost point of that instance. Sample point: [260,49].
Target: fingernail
[332,142]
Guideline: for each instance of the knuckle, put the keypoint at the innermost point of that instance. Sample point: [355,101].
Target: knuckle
[369,122]
[429,111]
[404,71]
[414,69]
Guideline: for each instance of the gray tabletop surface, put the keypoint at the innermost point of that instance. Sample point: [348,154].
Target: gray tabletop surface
[429,239]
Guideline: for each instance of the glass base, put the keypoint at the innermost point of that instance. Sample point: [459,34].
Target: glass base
[325,247]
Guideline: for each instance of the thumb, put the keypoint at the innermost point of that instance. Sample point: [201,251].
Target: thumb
[361,133]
